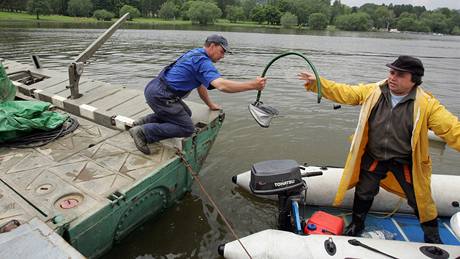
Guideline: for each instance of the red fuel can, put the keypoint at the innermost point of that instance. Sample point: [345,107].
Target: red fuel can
[323,223]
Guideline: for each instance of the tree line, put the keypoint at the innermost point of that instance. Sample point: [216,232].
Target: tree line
[315,14]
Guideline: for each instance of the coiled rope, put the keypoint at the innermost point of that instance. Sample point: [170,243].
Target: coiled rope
[41,138]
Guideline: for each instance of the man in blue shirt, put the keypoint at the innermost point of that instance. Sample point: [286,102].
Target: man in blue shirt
[164,94]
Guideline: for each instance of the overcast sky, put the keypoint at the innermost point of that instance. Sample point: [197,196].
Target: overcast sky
[429,4]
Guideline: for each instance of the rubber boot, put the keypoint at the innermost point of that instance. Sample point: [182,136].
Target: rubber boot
[360,210]
[138,136]
[431,232]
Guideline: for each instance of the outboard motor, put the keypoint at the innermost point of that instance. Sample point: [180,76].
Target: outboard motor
[282,178]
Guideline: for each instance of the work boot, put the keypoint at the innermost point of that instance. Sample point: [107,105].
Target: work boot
[138,136]
[431,232]
[360,210]
[141,121]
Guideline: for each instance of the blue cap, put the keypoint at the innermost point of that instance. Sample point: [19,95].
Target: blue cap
[219,40]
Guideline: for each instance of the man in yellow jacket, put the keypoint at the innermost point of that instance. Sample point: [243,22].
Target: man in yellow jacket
[390,145]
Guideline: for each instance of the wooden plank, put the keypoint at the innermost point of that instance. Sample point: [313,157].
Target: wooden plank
[61,89]
[130,107]
[98,92]
[115,99]
[50,82]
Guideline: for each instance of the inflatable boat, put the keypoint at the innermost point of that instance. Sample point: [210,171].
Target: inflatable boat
[272,243]
[321,190]
[308,227]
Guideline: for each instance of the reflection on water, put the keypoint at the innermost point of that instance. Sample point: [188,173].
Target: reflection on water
[305,131]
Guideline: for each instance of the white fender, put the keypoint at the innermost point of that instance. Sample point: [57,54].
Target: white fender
[455,224]
[273,244]
[321,191]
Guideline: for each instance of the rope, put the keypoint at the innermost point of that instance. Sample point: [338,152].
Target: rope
[197,179]
[42,138]
[375,213]
[387,215]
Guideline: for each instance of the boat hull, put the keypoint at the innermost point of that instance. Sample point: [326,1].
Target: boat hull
[281,244]
[321,191]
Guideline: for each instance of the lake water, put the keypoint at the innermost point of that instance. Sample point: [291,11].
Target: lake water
[305,131]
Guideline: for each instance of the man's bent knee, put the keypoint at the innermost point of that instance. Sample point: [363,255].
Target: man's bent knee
[189,130]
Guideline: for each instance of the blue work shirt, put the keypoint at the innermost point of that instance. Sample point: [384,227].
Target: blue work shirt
[191,70]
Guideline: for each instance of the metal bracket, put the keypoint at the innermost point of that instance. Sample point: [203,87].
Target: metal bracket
[76,67]
[75,71]
[116,197]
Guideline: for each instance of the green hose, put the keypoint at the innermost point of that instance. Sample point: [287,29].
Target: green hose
[318,84]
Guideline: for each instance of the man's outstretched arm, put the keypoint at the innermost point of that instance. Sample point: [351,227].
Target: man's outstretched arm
[230,86]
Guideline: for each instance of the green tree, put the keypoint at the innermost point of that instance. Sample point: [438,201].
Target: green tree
[319,6]
[79,8]
[102,5]
[409,23]
[133,11]
[222,4]
[184,10]
[408,15]
[168,10]
[288,20]
[454,21]
[149,8]
[338,9]
[259,14]
[406,24]
[436,21]
[273,15]
[399,9]
[283,5]
[354,22]
[418,10]
[234,13]
[103,15]
[368,8]
[456,30]
[304,8]
[383,17]
[38,7]
[13,5]
[248,6]
[58,6]
[318,21]
[301,9]
[203,12]
[445,11]
[420,26]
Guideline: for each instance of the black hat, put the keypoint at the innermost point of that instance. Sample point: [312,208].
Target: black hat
[219,40]
[408,64]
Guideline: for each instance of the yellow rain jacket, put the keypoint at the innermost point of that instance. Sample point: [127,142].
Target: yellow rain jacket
[428,114]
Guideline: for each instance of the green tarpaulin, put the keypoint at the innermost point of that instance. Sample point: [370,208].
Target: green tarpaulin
[7,89]
[18,118]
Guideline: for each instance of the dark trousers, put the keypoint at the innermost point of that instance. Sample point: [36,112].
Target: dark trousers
[172,117]
[372,172]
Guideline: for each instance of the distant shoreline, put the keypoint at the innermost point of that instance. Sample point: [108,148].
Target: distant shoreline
[24,20]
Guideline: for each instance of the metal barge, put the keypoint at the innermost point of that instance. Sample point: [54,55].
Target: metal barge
[93,187]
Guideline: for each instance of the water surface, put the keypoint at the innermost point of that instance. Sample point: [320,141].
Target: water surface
[305,131]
